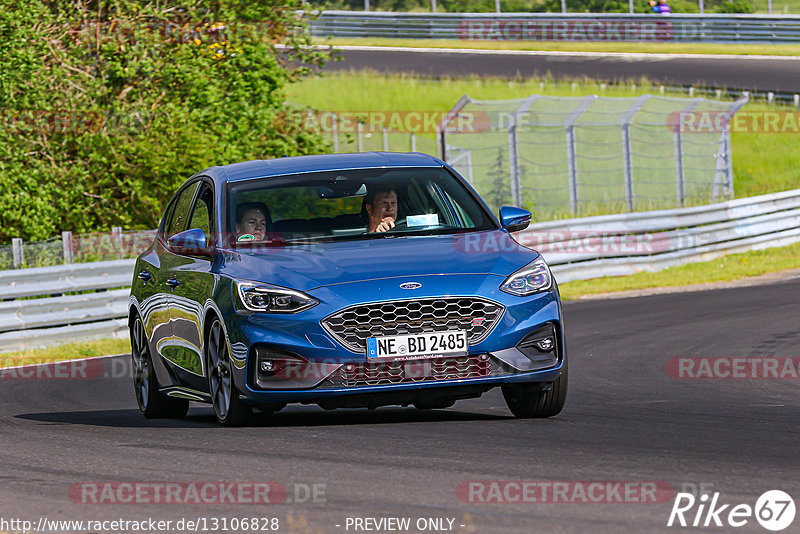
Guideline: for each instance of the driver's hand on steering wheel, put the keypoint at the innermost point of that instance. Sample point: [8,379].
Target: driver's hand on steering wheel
[387,223]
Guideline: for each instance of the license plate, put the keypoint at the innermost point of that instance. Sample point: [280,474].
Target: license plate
[427,345]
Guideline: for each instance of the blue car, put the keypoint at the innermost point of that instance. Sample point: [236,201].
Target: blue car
[346,281]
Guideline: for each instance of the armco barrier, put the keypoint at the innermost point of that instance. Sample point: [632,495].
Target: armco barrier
[576,249]
[714,28]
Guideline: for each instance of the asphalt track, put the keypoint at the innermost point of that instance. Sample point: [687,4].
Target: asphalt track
[625,420]
[740,72]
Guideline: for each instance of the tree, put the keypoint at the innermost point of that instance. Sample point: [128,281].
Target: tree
[110,105]
[500,192]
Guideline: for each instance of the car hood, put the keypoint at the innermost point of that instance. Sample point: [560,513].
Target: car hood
[311,266]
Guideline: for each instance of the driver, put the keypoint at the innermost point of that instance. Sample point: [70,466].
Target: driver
[381,206]
[251,219]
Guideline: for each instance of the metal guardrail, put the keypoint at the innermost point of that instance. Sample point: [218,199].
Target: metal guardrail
[96,312]
[615,245]
[576,249]
[687,28]
[62,279]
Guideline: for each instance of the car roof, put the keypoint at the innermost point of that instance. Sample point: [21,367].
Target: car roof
[326,162]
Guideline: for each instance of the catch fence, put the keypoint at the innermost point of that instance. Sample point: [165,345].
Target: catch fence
[562,156]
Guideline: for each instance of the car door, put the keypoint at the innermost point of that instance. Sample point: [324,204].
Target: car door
[165,338]
[192,285]
[154,299]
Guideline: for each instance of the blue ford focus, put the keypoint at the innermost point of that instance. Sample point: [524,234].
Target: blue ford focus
[346,281]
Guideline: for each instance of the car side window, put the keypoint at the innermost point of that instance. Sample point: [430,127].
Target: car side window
[203,212]
[162,227]
[180,214]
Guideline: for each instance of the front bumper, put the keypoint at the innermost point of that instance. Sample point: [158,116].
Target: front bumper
[337,371]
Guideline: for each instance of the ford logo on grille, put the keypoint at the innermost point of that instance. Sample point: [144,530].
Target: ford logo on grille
[410,285]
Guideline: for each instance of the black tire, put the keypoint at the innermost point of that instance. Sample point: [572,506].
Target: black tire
[152,403]
[528,401]
[228,408]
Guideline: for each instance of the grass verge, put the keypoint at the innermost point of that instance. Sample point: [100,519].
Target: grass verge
[725,269]
[67,351]
[575,46]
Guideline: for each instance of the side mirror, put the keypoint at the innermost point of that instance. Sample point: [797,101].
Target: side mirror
[514,219]
[189,243]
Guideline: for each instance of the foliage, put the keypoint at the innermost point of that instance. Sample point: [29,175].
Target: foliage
[109,105]
[735,6]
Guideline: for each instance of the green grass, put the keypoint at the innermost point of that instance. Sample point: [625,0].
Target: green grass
[575,46]
[727,268]
[67,351]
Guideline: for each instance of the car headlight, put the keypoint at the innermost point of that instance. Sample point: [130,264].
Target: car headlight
[532,278]
[263,298]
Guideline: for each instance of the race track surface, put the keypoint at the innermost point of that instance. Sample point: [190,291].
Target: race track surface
[625,420]
[777,75]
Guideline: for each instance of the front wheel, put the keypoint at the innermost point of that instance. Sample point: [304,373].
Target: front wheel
[228,408]
[152,403]
[528,401]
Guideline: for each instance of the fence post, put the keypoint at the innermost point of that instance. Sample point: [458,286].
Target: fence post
[413,142]
[116,238]
[572,164]
[16,249]
[513,163]
[513,149]
[677,138]
[360,139]
[68,246]
[626,148]
[385,139]
[441,127]
[723,177]
[335,133]
[736,106]
[680,182]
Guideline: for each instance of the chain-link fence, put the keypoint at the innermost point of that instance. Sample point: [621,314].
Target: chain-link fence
[568,156]
[99,246]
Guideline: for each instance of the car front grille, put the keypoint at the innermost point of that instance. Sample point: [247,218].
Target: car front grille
[352,326]
[409,371]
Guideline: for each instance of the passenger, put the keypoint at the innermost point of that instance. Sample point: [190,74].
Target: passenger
[251,220]
[381,206]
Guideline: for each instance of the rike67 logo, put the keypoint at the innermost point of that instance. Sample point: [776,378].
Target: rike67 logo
[774,510]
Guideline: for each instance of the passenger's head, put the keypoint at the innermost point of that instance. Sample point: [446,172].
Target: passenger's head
[252,218]
[380,203]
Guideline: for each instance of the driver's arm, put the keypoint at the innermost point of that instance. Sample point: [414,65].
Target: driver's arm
[387,223]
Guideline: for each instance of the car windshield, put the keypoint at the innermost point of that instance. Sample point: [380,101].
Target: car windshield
[352,204]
